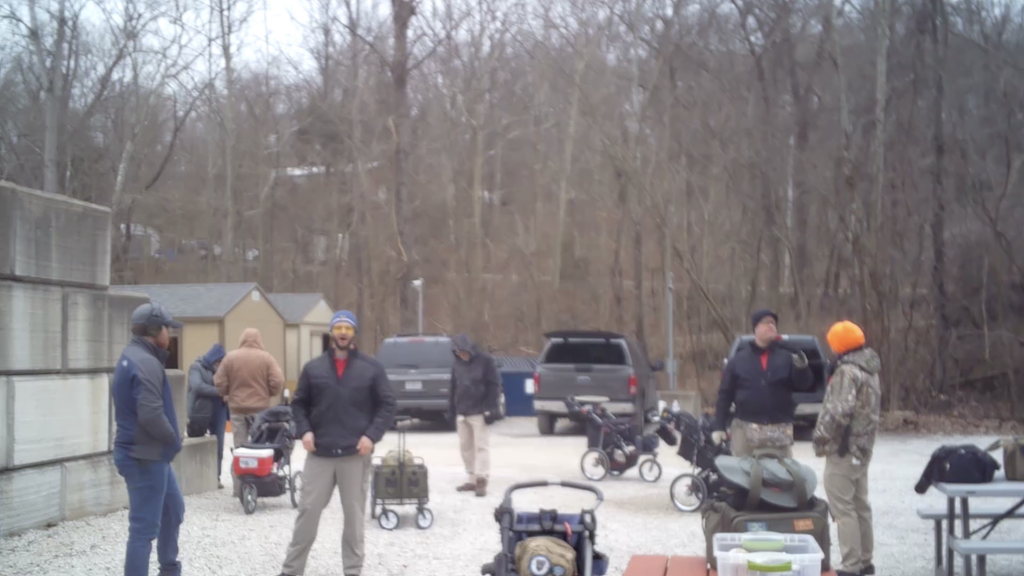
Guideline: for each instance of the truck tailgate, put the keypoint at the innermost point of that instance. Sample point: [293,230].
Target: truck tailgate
[562,380]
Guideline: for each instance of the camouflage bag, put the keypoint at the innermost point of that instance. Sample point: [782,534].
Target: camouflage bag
[1013,456]
[768,436]
[536,553]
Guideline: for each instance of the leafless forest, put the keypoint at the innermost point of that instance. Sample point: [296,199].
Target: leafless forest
[552,164]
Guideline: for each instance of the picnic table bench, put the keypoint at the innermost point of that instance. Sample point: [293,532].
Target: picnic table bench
[939,514]
[647,565]
[962,544]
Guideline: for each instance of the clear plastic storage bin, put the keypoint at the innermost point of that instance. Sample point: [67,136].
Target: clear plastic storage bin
[767,554]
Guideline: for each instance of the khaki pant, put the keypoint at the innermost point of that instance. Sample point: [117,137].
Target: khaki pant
[351,475]
[846,486]
[240,435]
[475,443]
[741,446]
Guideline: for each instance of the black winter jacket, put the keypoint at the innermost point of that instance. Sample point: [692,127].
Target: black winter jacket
[340,411]
[203,399]
[762,396]
[475,385]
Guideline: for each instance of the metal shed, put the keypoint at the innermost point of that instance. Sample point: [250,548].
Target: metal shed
[307,319]
[214,313]
[517,382]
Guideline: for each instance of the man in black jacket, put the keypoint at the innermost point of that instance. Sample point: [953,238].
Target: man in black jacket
[473,399]
[343,405]
[760,379]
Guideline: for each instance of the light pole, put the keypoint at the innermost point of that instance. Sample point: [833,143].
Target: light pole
[670,292]
[418,285]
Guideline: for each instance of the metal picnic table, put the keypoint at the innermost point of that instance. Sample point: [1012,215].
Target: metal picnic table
[999,487]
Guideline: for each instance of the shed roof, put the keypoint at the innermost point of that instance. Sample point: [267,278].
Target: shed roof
[294,306]
[195,300]
[517,363]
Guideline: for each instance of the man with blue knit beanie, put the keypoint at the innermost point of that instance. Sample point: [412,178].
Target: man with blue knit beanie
[343,405]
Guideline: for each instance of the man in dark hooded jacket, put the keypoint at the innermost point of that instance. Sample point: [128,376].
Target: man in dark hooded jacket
[475,390]
[206,409]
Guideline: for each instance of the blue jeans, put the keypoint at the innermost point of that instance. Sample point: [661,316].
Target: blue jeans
[218,422]
[155,510]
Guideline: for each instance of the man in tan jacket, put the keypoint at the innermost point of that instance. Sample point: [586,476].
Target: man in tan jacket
[248,378]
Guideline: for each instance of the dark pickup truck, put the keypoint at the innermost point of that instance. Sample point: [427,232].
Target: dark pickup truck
[593,363]
[808,404]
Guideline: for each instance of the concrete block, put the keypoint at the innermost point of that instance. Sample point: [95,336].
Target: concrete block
[31,319]
[58,416]
[86,343]
[119,308]
[53,237]
[92,487]
[5,422]
[179,389]
[30,498]
[195,466]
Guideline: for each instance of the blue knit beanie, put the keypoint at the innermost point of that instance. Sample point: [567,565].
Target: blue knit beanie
[344,316]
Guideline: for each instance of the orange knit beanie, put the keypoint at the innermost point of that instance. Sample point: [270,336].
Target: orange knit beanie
[845,336]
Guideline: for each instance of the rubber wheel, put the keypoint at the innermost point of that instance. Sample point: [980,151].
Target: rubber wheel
[248,497]
[650,470]
[388,519]
[546,424]
[691,486]
[424,519]
[294,488]
[600,459]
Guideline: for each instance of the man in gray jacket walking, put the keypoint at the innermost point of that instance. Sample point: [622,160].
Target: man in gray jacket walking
[475,390]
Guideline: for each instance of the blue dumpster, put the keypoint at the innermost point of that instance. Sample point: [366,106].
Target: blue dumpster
[517,382]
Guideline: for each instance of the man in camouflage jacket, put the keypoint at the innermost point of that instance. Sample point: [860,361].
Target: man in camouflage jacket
[845,436]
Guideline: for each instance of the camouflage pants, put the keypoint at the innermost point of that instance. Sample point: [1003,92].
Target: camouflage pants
[746,437]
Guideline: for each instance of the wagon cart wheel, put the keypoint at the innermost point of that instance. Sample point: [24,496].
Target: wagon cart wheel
[294,487]
[388,519]
[248,498]
[650,470]
[688,492]
[424,518]
[595,464]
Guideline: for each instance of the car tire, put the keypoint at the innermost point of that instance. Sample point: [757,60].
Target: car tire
[546,424]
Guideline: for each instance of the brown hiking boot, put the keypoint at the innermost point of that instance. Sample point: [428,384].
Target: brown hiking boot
[469,486]
[481,486]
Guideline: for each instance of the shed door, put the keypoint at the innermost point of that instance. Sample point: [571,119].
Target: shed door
[316,345]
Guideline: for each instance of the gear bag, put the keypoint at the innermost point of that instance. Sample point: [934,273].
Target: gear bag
[718,517]
[537,552]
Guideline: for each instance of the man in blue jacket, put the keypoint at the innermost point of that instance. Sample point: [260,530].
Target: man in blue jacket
[760,379]
[206,409]
[146,442]
[343,405]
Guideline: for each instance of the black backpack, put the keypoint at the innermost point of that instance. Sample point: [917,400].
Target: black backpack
[963,464]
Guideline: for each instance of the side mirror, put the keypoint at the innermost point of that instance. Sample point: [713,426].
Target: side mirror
[657,365]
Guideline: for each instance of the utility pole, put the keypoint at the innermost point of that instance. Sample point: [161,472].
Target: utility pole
[418,285]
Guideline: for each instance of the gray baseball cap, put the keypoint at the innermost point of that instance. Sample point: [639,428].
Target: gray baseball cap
[153,314]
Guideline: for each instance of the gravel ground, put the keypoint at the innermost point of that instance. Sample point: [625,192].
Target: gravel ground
[636,517]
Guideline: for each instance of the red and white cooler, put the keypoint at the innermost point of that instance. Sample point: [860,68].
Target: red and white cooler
[253,461]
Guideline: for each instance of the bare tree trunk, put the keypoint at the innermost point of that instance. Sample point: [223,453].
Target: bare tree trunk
[53,91]
[225,9]
[402,14]
[570,138]
[939,25]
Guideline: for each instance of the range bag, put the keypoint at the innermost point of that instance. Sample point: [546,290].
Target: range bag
[719,517]
[536,553]
[1013,456]
[739,507]
[393,479]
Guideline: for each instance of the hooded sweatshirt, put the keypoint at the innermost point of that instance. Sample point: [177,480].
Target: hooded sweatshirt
[249,377]
[203,398]
[475,382]
[852,401]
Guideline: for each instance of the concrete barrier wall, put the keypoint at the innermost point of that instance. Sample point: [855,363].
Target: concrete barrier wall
[61,333]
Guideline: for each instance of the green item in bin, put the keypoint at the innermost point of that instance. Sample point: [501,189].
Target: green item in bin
[770,563]
[766,543]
